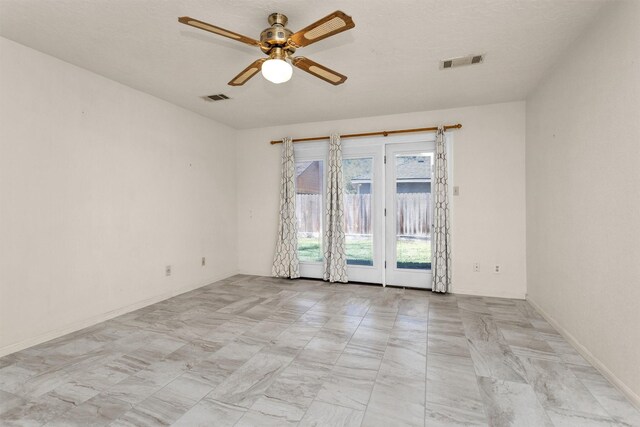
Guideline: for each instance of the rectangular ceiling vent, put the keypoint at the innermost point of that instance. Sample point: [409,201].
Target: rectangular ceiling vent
[218,97]
[460,61]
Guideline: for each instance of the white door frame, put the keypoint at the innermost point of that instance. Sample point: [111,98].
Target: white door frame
[405,277]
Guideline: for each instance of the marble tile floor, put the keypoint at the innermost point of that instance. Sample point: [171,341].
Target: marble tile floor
[259,351]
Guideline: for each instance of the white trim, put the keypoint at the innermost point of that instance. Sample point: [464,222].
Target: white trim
[493,293]
[93,320]
[584,352]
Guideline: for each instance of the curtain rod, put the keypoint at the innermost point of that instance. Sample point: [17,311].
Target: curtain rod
[383,133]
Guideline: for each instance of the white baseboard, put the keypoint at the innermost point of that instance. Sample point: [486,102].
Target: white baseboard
[584,352]
[84,323]
[488,293]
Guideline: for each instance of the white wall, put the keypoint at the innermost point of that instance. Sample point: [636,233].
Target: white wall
[583,194]
[489,214]
[101,186]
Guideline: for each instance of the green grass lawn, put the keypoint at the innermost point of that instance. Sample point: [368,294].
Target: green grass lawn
[309,249]
[412,253]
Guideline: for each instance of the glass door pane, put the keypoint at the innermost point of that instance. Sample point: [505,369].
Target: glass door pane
[413,209]
[358,221]
[309,210]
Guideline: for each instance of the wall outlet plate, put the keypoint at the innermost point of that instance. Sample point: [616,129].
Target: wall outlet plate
[167,270]
[497,269]
[476,267]
[204,261]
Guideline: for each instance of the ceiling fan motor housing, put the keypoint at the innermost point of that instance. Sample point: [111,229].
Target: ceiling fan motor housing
[276,35]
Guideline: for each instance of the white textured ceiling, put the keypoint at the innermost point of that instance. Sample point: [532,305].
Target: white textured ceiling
[391,57]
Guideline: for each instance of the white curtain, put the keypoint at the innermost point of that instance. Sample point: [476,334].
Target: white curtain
[441,220]
[285,262]
[335,257]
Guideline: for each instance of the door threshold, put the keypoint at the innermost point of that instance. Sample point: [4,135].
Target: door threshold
[366,284]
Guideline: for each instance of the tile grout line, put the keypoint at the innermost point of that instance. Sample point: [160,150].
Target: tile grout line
[341,353]
[314,399]
[563,364]
[467,339]
[375,380]
[541,337]
[297,353]
[227,343]
[298,318]
[188,370]
[426,365]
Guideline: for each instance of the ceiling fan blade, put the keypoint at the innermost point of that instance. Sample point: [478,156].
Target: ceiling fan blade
[320,71]
[217,30]
[247,73]
[328,26]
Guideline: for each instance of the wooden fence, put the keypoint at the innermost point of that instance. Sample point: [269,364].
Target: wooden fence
[309,212]
[413,213]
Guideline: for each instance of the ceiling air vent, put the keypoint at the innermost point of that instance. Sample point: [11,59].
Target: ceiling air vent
[462,60]
[218,97]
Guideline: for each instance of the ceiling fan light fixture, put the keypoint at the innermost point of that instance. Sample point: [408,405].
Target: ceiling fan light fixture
[277,70]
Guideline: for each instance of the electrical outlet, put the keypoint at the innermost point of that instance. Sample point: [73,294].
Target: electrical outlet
[497,269]
[204,261]
[167,270]
[456,190]
[476,267]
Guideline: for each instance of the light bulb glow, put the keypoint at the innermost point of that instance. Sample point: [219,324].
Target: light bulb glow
[277,70]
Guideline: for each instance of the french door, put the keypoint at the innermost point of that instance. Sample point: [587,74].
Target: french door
[388,209]
[408,216]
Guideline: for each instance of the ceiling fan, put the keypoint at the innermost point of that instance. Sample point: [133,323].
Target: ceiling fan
[280,43]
